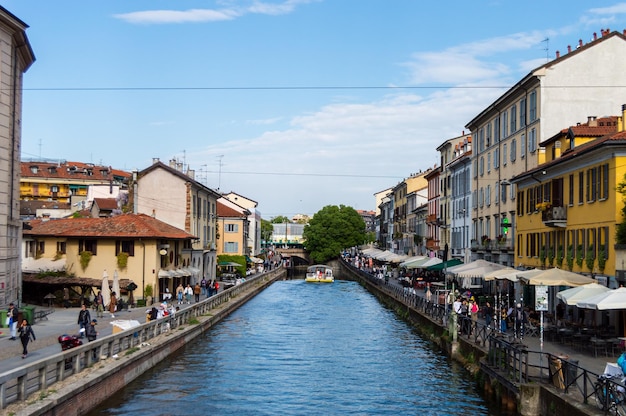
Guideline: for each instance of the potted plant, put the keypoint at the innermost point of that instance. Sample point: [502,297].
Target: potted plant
[602,258]
[122,260]
[85,258]
[590,257]
[579,255]
[148,294]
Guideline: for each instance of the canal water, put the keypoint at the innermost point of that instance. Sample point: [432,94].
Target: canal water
[305,349]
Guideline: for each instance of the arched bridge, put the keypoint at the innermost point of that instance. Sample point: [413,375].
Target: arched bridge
[298,255]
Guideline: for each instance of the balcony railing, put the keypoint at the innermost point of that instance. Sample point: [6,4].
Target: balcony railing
[555,217]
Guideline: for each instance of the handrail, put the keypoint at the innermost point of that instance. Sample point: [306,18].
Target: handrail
[17,384]
[505,355]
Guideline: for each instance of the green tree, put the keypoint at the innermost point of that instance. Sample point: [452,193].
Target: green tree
[332,229]
[266,230]
[280,220]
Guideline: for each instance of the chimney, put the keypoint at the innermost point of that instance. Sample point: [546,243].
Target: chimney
[179,166]
[173,163]
[569,48]
[155,160]
[191,173]
[623,119]
[558,54]
[592,121]
[580,43]
[595,36]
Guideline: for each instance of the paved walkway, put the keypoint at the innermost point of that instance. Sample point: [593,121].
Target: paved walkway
[61,321]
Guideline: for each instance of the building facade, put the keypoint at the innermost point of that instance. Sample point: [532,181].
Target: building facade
[16,57]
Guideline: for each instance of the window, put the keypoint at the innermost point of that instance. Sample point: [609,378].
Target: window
[532,141]
[125,246]
[591,184]
[88,245]
[496,193]
[605,181]
[34,169]
[41,248]
[475,168]
[481,197]
[488,162]
[232,228]
[488,136]
[496,130]
[504,154]
[532,110]
[581,187]
[482,165]
[523,145]
[481,140]
[496,158]
[504,125]
[522,112]
[513,150]
[231,247]
[61,247]
[488,195]
[571,190]
[513,118]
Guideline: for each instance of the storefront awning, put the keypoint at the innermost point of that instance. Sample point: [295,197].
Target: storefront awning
[445,264]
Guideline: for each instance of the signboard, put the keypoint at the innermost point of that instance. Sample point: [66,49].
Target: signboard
[541,298]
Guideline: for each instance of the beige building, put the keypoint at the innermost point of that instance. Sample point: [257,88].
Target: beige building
[174,196]
[254,236]
[233,225]
[506,135]
[15,59]
[140,248]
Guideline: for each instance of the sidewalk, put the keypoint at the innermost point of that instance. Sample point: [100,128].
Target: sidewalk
[61,321]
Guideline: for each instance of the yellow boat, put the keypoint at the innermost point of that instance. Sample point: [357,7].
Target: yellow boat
[319,273]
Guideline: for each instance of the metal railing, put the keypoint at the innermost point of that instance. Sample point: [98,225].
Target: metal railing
[16,385]
[507,356]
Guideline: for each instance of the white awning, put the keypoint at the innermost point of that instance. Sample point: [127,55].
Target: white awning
[164,274]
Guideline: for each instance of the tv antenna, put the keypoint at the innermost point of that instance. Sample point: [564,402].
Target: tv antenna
[547,48]
[219,176]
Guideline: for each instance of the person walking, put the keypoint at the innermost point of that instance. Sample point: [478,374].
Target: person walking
[84,319]
[196,292]
[99,305]
[179,293]
[12,317]
[216,286]
[92,334]
[26,333]
[488,312]
[203,286]
[113,304]
[188,293]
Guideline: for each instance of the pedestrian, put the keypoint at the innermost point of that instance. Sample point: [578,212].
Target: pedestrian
[84,319]
[521,320]
[216,287]
[196,292]
[488,312]
[90,330]
[503,317]
[92,334]
[167,296]
[99,305]
[473,311]
[26,333]
[429,294]
[188,293]
[203,286]
[113,304]
[179,293]
[12,316]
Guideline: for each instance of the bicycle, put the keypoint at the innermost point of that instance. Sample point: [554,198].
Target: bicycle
[610,396]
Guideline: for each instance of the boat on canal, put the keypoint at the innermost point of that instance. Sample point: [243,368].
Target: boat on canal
[319,273]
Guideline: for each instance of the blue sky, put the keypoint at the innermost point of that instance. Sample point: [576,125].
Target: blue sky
[306,103]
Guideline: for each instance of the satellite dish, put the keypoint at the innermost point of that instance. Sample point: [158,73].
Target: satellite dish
[163,252]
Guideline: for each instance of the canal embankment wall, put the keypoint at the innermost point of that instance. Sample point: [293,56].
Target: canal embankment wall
[84,391]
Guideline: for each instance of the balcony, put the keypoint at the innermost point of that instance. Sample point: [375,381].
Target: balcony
[555,217]
[431,219]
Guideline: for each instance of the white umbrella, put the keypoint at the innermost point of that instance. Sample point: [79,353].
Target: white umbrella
[116,284]
[579,294]
[611,299]
[106,292]
[507,273]
[554,277]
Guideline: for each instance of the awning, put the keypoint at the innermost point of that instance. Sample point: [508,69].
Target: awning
[164,274]
[446,264]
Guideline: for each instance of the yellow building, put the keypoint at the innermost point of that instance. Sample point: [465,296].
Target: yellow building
[234,228]
[60,181]
[140,248]
[568,207]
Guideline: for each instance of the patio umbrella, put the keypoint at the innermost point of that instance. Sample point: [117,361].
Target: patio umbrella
[507,273]
[116,284]
[578,294]
[106,292]
[611,299]
[408,263]
[429,262]
[554,277]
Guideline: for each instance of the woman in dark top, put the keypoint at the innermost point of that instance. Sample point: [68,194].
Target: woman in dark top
[26,332]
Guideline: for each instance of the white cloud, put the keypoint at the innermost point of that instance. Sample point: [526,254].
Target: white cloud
[210,15]
[619,8]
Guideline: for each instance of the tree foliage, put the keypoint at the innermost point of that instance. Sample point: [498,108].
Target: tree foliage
[332,229]
[266,230]
[280,220]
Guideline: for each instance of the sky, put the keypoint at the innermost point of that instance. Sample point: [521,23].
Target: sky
[295,104]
